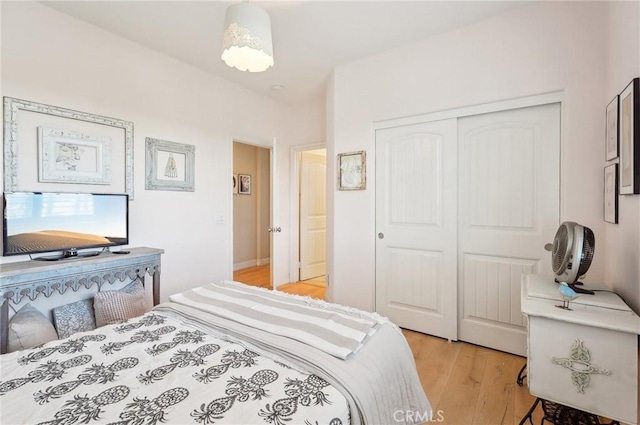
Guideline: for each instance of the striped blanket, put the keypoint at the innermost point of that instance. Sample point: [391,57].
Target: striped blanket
[327,327]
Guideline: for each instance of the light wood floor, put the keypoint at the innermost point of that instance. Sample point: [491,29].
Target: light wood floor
[255,276]
[466,383]
[260,276]
[470,384]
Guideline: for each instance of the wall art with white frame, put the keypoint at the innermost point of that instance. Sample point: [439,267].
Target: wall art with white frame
[73,157]
[244,184]
[352,170]
[55,149]
[169,165]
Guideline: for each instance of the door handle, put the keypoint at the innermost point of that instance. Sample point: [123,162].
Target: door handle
[380,235]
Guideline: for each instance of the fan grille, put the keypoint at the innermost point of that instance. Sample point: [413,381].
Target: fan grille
[588,248]
[559,248]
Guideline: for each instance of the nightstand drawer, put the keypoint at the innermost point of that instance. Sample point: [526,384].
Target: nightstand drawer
[585,367]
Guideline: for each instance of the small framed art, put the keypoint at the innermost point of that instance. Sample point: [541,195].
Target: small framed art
[169,166]
[611,131]
[244,184]
[73,157]
[352,171]
[235,183]
[630,139]
[611,193]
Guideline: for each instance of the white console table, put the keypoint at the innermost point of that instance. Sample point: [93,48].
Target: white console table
[34,278]
[586,357]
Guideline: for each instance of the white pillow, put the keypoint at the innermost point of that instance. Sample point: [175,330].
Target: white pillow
[29,328]
[117,306]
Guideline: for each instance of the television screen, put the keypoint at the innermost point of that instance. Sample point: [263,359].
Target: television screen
[37,222]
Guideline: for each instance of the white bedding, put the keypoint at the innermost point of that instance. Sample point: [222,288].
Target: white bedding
[380,380]
[157,370]
[184,363]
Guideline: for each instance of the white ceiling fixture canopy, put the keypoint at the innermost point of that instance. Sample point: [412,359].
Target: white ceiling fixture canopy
[247,42]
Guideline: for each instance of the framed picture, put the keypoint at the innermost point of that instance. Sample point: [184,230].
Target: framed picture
[70,156]
[611,131]
[65,150]
[169,165]
[630,139]
[244,184]
[235,183]
[611,193]
[352,171]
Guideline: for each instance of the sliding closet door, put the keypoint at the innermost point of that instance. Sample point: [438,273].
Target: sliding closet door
[416,237]
[509,203]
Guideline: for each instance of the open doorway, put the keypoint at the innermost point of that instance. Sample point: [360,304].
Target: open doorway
[310,212]
[251,215]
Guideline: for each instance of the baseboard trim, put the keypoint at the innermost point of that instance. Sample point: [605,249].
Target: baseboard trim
[244,265]
[251,263]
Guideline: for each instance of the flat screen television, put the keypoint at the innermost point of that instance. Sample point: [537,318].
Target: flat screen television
[38,222]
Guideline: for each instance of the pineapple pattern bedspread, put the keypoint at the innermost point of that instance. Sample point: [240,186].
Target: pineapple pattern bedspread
[155,369]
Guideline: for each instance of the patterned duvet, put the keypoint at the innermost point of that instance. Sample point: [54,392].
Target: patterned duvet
[224,353]
[157,370]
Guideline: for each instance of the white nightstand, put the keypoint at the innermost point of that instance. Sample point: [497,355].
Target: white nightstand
[585,358]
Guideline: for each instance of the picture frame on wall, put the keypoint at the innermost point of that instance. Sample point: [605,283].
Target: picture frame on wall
[611,131]
[169,165]
[352,171]
[67,156]
[234,178]
[96,151]
[611,193]
[244,184]
[630,138]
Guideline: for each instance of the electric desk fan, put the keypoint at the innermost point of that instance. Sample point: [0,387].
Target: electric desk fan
[572,253]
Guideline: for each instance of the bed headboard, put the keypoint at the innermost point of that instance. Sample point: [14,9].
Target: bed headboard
[31,279]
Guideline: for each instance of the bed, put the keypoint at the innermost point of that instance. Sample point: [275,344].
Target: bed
[224,353]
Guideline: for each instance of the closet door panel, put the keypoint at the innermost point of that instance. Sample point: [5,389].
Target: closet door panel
[416,254]
[508,209]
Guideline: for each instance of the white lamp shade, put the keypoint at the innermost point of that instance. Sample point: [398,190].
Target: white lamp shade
[247,38]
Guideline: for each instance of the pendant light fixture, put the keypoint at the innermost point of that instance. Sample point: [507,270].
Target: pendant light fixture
[247,38]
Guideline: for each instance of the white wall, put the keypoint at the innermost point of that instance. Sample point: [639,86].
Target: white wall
[622,241]
[50,58]
[541,48]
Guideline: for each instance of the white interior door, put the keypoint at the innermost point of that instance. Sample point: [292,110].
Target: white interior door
[313,215]
[416,241]
[509,206]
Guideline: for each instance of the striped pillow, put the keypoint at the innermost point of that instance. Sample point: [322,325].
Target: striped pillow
[117,306]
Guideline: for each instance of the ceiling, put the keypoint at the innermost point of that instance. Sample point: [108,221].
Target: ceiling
[310,38]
